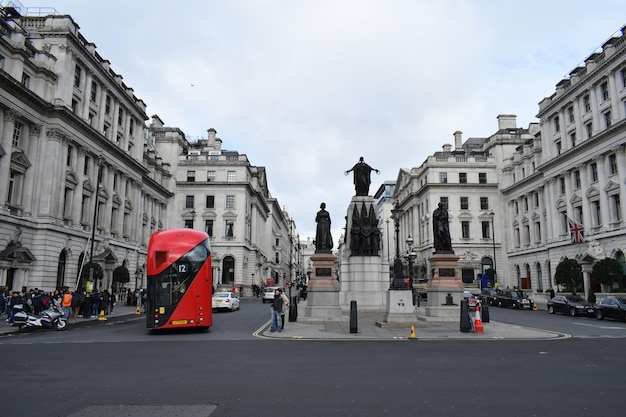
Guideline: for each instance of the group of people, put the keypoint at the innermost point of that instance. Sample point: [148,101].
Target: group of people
[73,303]
[280,305]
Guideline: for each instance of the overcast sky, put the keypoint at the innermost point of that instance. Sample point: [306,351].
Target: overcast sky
[305,88]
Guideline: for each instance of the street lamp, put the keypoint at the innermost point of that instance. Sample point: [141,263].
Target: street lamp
[387,233]
[493,241]
[397,283]
[95,219]
[410,256]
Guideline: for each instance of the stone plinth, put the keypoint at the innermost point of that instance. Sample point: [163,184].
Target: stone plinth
[446,282]
[400,310]
[323,290]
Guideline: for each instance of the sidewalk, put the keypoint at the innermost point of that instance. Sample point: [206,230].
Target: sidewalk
[367,329]
[118,311]
[366,326]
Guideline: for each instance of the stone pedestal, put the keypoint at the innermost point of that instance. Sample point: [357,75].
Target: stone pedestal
[400,311]
[323,290]
[446,283]
[364,274]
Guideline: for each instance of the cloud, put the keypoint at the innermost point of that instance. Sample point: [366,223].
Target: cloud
[306,88]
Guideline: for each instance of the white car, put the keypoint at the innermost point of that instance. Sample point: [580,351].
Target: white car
[225,301]
[268,293]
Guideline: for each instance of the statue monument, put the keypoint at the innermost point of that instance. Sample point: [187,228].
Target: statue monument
[361,172]
[441,230]
[323,237]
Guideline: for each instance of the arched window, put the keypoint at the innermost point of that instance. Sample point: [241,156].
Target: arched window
[228,270]
[61,269]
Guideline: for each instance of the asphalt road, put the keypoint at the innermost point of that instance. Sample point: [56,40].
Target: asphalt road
[118,369]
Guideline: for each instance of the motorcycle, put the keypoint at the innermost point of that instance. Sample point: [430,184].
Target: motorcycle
[52,318]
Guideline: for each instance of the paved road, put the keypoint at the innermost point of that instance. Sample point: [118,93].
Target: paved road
[115,368]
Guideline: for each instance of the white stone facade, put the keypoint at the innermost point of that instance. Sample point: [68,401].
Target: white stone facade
[63,113]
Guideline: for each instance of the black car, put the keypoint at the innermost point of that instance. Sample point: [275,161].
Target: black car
[513,299]
[613,308]
[574,305]
[489,296]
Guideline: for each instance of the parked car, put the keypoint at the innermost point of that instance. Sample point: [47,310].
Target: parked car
[225,301]
[268,294]
[514,299]
[613,308]
[489,296]
[574,305]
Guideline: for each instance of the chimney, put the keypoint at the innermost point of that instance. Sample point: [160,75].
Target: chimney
[447,147]
[211,135]
[507,121]
[458,135]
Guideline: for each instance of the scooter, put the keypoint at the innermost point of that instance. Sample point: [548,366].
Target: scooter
[52,318]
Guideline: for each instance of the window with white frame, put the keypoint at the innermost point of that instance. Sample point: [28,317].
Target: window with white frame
[484,203]
[587,103]
[443,177]
[25,80]
[230,228]
[231,176]
[463,177]
[465,229]
[230,201]
[482,178]
[596,214]
[604,91]
[612,164]
[607,119]
[577,179]
[556,125]
[210,176]
[191,176]
[77,74]
[570,114]
[189,201]
[464,203]
[589,129]
[616,207]
[210,201]
[593,171]
[208,227]
[17,134]
[486,229]
[94,92]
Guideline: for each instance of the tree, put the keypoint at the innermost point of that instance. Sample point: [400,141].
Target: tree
[121,274]
[569,274]
[607,271]
[97,272]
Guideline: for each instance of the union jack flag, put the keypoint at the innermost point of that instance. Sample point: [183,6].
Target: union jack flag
[576,231]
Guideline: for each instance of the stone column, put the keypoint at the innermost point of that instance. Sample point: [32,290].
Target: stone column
[32,174]
[5,162]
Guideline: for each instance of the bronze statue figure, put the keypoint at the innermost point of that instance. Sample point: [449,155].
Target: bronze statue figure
[361,172]
[441,230]
[323,238]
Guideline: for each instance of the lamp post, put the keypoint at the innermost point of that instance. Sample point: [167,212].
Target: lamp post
[95,220]
[387,221]
[493,241]
[410,257]
[397,283]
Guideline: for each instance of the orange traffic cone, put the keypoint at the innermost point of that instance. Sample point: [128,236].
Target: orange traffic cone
[478,324]
[101,317]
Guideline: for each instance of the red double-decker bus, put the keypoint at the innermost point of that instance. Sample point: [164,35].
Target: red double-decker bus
[179,280]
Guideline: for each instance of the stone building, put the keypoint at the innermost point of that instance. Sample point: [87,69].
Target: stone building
[221,192]
[517,198]
[466,179]
[65,117]
[571,174]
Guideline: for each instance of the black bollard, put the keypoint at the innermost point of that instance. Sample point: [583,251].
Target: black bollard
[293,309]
[465,319]
[354,328]
[484,312]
